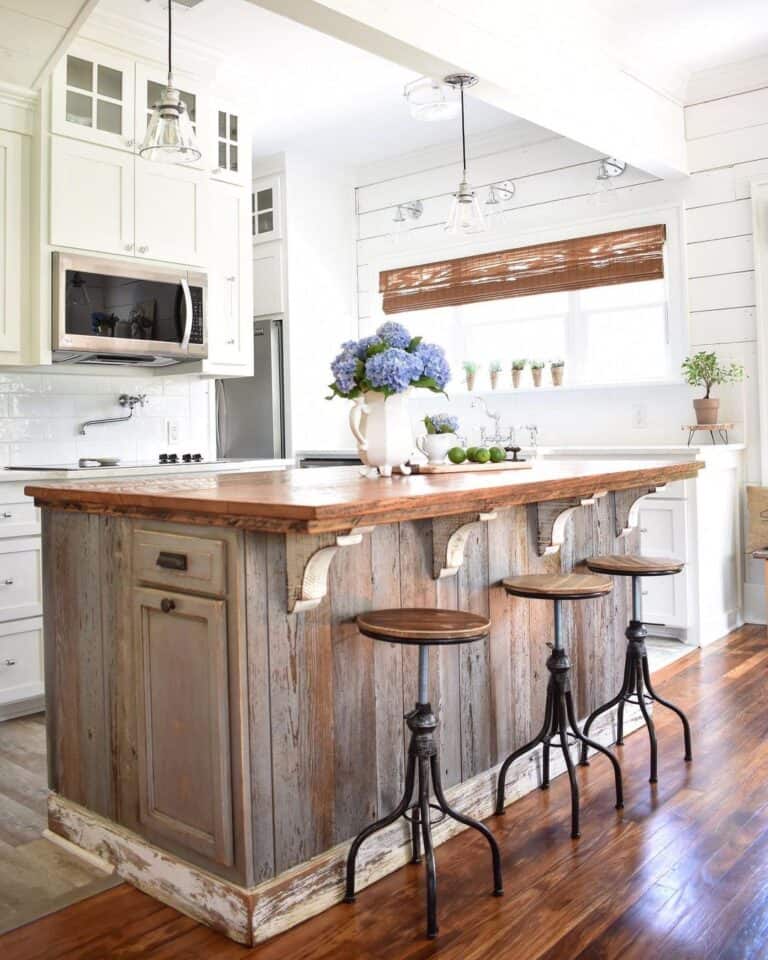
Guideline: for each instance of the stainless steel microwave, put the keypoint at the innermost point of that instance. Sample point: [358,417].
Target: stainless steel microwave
[123,312]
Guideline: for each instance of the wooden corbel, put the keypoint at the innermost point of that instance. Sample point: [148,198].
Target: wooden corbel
[449,539]
[552,519]
[307,565]
[626,506]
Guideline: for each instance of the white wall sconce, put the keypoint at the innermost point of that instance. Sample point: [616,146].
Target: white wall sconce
[406,214]
[431,100]
[608,171]
[499,193]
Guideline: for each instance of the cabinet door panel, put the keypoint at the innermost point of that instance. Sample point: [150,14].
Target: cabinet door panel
[229,312]
[231,137]
[92,96]
[171,210]
[268,279]
[662,534]
[11,188]
[184,738]
[91,197]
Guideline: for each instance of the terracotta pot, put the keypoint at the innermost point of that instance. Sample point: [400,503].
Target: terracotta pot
[536,374]
[707,411]
[470,382]
[557,375]
[516,374]
[494,375]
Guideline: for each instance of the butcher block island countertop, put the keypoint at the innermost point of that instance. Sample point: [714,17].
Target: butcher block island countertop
[219,730]
[319,500]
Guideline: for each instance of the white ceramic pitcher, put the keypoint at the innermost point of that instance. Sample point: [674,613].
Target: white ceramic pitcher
[382,428]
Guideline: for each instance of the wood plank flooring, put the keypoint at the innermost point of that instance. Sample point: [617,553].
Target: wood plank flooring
[680,874]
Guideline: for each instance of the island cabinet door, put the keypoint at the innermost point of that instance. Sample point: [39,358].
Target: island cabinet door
[185,762]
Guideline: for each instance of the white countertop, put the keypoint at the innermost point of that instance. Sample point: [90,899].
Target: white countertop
[91,473]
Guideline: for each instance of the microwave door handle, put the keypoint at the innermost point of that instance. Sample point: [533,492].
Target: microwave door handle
[188,318]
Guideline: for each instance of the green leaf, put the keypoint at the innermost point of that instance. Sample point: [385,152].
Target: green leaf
[376,348]
[414,343]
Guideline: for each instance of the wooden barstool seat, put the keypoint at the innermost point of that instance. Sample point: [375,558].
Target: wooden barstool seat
[636,687]
[558,586]
[560,722]
[423,626]
[634,565]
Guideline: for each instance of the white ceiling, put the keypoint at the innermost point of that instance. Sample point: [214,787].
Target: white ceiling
[30,33]
[307,89]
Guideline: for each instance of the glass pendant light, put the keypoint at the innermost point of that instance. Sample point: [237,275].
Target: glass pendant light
[170,137]
[431,100]
[466,215]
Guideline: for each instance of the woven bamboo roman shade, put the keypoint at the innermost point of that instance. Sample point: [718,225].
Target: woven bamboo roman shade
[624,256]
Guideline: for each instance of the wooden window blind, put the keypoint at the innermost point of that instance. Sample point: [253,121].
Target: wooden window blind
[624,256]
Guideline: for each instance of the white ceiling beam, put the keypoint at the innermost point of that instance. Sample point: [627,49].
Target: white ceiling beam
[529,71]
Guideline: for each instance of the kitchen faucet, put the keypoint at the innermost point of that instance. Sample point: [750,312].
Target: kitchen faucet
[493,415]
[125,401]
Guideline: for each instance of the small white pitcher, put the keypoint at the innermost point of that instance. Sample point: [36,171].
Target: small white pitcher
[382,428]
[435,446]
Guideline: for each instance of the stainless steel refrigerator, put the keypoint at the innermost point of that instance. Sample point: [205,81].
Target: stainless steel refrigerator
[250,410]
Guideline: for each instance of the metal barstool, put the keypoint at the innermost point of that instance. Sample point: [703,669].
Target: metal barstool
[425,628]
[559,713]
[636,686]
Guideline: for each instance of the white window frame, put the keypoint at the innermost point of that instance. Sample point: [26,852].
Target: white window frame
[675,268]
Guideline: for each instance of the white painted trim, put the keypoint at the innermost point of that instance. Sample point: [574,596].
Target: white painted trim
[62,46]
[759,189]
[85,855]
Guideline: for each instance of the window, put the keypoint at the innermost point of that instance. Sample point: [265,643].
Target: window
[605,335]
[94,95]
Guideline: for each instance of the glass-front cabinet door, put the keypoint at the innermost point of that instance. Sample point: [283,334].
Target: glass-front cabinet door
[92,96]
[232,145]
[151,81]
[265,209]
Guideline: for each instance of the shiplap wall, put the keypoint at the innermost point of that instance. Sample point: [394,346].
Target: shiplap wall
[727,133]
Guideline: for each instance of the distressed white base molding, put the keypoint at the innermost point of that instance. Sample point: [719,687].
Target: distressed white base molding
[252,915]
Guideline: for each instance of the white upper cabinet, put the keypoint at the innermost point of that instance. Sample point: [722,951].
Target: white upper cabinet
[231,140]
[266,218]
[92,197]
[151,81]
[11,187]
[268,284]
[229,278]
[93,96]
[171,213]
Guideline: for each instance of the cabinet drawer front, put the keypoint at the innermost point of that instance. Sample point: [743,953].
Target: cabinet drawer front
[184,740]
[19,519]
[21,661]
[184,562]
[20,579]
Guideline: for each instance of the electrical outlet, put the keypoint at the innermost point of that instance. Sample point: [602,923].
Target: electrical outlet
[172,431]
[640,416]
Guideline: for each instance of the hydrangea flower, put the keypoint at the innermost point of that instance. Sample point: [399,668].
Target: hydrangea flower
[441,423]
[343,368]
[434,363]
[360,347]
[393,370]
[394,334]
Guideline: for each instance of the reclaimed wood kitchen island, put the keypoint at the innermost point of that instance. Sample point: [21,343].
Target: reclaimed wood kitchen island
[217,727]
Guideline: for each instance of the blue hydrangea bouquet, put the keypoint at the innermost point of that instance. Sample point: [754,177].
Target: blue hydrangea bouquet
[389,362]
[378,373]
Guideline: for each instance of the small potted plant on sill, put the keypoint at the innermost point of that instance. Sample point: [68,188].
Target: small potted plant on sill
[557,369]
[470,372]
[704,369]
[493,371]
[536,367]
[517,371]
[439,438]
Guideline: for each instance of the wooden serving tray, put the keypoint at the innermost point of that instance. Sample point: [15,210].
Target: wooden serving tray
[469,467]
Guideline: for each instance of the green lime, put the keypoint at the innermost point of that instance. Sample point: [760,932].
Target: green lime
[457,454]
[471,451]
[482,455]
[497,455]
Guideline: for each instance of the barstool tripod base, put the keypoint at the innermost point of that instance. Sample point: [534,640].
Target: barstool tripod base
[637,689]
[422,777]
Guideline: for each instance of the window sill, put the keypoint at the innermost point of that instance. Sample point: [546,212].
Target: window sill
[566,388]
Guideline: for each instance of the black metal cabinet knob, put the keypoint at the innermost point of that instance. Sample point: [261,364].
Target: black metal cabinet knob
[166,605]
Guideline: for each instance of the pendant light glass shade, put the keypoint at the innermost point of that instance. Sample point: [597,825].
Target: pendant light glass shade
[466,215]
[431,100]
[170,137]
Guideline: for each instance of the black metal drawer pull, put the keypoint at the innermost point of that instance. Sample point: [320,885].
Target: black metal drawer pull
[172,561]
[167,605]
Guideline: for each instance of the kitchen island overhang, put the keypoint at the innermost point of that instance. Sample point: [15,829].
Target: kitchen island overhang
[219,730]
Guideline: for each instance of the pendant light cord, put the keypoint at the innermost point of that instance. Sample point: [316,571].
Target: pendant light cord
[170,34]
[463,136]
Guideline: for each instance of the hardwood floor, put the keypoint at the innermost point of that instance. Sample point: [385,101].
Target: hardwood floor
[680,874]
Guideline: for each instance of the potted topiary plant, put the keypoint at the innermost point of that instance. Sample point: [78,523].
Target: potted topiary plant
[470,372]
[704,369]
[494,370]
[557,368]
[517,371]
[536,367]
